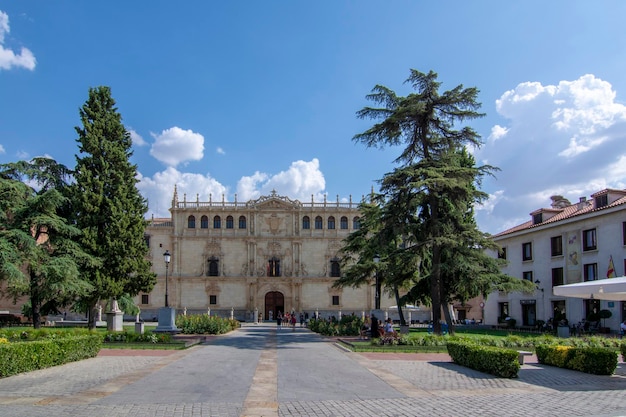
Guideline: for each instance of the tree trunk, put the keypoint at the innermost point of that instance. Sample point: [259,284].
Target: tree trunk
[400,313]
[91,315]
[435,276]
[35,302]
[448,316]
[435,290]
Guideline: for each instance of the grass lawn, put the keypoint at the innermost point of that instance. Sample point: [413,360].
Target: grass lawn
[142,345]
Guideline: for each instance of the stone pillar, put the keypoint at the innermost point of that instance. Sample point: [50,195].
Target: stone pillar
[115,318]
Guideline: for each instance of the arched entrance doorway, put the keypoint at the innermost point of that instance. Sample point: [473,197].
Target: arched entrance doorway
[274,302]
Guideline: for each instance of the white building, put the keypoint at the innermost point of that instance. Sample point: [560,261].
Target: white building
[270,255]
[563,244]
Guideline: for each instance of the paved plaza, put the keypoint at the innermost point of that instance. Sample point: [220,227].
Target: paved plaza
[260,370]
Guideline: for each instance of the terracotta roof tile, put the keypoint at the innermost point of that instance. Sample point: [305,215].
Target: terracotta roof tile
[567,212]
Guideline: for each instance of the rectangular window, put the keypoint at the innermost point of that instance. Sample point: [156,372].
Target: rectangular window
[502,253]
[591,272]
[528,276]
[144,299]
[624,233]
[556,245]
[213,299]
[335,300]
[273,267]
[557,276]
[146,239]
[527,251]
[537,218]
[503,308]
[589,240]
[602,201]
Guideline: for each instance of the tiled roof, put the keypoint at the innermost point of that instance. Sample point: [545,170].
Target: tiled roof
[567,212]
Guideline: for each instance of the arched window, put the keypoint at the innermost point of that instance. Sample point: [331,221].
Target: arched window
[230,222]
[331,222]
[356,223]
[242,222]
[217,222]
[335,268]
[204,222]
[306,222]
[191,222]
[344,222]
[318,222]
[213,270]
[273,267]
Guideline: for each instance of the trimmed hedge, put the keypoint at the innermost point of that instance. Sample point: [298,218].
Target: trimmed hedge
[205,324]
[492,360]
[18,357]
[349,325]
[591,360]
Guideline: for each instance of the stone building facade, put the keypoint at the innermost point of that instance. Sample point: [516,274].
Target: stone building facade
[268,255]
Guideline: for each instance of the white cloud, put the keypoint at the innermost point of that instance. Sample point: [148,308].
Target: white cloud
[137,139]
[175,145]
[567,139]
[2,151]
[8,58]
[220,150]
[498,132]
[247,187]
[301,180]
[159,189]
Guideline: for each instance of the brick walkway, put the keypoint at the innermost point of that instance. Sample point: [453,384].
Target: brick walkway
[263,371]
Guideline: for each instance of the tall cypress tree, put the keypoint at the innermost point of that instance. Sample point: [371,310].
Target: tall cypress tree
[109,209]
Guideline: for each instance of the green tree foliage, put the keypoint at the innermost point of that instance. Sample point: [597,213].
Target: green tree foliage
[109,208]
[428,199]
[39,254]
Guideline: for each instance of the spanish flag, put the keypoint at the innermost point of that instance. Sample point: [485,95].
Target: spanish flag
[610,272]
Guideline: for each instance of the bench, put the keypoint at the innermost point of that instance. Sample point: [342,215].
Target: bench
[521,354]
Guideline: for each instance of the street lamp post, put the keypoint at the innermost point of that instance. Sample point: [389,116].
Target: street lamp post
[167,314]
[167,257]
[377,293]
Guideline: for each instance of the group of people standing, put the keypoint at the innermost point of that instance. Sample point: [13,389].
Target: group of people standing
[289,319]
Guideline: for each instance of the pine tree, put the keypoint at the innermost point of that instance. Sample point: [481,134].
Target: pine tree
[430,183]
[109,209]
[39,254]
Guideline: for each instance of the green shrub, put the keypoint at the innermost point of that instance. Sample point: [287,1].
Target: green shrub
[349,325]
[205,324]
[622,349]
[591,360]
[496,361]
[132,337]
[24,356]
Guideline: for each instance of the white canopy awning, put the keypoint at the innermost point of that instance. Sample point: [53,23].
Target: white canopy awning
[602,289]
[405,307]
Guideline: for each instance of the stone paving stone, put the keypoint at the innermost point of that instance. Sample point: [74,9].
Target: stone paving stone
[308,376]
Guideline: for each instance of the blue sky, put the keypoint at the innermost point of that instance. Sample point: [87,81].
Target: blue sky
[243,97]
